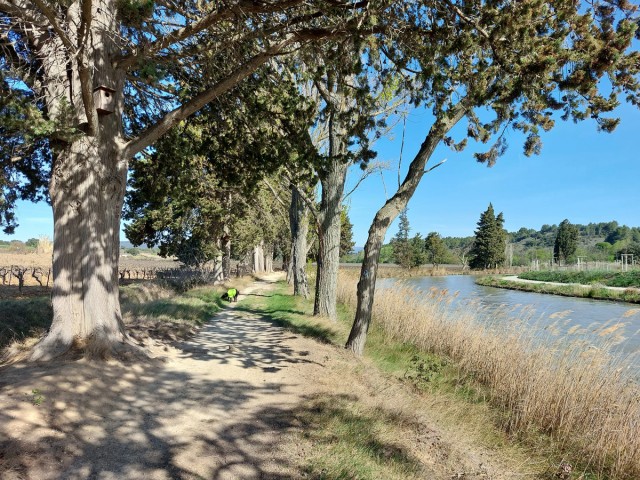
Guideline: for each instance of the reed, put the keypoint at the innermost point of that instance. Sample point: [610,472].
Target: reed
[570,387]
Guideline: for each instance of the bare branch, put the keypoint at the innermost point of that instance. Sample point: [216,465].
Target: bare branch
[435,166]
[371,169]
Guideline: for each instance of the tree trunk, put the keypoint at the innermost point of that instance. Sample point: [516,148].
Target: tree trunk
[380,224]
[87,190]
[329,240]
[226,253]
[299,230]
[87,186]
[268,258]
[258,258]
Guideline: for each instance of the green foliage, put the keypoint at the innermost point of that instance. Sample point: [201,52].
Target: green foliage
[402,251]
[566,242]
[32,243]
[134,251]
[435,248]
[346,233]
[591,277]
[488,249]
[37,397]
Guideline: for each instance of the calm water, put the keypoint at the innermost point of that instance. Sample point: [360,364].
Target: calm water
[564,312]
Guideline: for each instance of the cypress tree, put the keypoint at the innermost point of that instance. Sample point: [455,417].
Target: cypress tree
[490,240]
[566,242]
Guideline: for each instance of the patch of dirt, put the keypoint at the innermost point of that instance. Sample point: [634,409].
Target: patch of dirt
[228,404]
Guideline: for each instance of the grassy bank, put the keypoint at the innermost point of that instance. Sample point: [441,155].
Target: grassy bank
[599,292]
[564,390]
[600,277]
[148,309]
[566,401]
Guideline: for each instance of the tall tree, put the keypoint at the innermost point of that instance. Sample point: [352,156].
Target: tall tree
[488,249]
[566,242]
[435,249]
[109,78]
[400,242]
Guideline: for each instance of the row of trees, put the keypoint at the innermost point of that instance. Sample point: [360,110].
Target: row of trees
[492,246]
[221,96]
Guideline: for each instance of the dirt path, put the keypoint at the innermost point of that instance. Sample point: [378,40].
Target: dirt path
[225,405]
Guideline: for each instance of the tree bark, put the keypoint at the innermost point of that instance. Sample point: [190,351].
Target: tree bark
[381,222]
[299,231]
[329,239]
[268,258]
[87,190]
[226,253]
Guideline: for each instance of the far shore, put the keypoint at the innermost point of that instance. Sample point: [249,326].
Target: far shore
[596,292]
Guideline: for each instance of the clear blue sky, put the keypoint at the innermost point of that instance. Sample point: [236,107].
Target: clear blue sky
[581,175]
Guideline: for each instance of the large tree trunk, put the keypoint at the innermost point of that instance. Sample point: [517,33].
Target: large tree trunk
[87,187]
[299,231]
[87,190]
[381,222]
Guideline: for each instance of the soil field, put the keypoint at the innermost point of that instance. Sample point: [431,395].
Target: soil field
[35,269]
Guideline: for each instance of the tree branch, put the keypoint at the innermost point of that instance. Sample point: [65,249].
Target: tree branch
[48,12]
[242,7]
[154,132]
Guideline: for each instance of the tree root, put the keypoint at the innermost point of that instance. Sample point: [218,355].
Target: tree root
[94,347]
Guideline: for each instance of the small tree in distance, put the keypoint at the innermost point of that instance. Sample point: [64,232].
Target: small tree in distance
[566,242]
[435,249]
[400,242]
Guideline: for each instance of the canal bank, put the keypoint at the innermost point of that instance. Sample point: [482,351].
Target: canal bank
[596,292]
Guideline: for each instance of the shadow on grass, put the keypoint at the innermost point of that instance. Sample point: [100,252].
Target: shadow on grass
[291,319]
[23,317]
[355,442]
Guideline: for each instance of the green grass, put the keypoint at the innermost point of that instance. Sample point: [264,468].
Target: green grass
[588,291]
[606,278]
[349,439]
[159,310]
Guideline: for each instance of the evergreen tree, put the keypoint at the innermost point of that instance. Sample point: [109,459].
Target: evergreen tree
[346,233]
[401,244]
[490,240]
[566,242]
[435,249]
[418,256]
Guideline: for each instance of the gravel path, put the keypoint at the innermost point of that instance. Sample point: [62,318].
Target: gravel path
[224,405]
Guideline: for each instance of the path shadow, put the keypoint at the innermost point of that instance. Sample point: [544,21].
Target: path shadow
[106,421]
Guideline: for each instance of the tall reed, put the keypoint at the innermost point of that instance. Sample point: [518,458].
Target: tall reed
[569,387]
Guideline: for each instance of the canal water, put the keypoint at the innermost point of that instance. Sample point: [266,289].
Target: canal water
[545,310]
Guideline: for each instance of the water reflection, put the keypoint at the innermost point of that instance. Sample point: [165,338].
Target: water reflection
[551,312]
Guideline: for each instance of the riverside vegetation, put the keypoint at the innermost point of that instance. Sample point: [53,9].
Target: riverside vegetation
[566,389]
[559,398]
[578,284]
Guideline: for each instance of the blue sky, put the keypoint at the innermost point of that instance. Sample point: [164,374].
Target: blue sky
[581,175]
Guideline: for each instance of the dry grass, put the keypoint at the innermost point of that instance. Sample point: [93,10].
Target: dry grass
[569,389]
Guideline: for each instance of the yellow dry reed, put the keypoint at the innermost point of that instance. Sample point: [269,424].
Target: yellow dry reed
[565,386]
